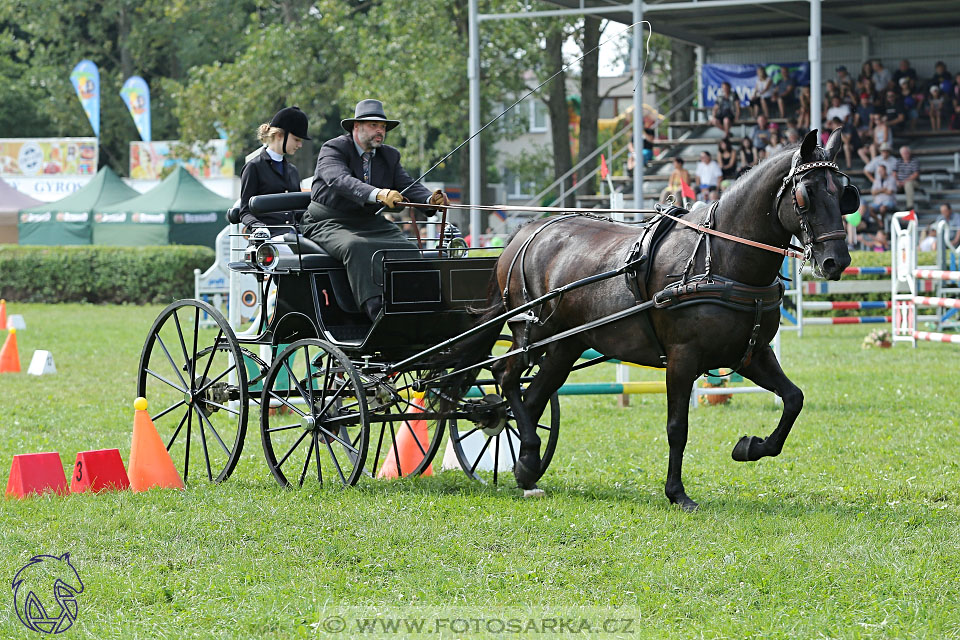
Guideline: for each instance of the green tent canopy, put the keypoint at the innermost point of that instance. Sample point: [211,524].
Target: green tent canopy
[69,220]
[179,210]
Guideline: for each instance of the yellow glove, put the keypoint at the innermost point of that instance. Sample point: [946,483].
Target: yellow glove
[439,199]
[389,197]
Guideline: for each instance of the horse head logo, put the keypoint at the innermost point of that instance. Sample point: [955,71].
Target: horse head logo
[45,593]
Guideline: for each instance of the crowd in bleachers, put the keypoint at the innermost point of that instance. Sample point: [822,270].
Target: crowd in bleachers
[871,111]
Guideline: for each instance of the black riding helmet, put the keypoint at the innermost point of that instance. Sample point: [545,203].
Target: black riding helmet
[291,120]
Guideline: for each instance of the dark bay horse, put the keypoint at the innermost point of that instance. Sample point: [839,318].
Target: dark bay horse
[695,337]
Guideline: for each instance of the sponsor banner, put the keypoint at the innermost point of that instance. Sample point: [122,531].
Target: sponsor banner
[154,160]
[110,217]
[149,218]
[86,80]
[48,189]
[59,216]
[195,218]
[33,157]
[743,77]
[136,95]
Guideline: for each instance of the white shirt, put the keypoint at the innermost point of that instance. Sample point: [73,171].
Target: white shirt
[842,112]
[709,173]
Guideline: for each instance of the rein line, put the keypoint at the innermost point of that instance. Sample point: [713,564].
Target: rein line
[790,252]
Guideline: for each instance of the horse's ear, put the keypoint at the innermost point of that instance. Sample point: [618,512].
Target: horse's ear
[834,144]
[809,145]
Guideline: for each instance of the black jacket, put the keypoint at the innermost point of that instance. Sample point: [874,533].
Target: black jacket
[259,177]
[338,181]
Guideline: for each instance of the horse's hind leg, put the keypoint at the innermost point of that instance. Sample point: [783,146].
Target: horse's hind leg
[766,372]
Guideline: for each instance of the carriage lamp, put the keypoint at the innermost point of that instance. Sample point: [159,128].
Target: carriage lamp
[266,256]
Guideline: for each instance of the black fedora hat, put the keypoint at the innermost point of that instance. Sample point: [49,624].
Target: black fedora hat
[368,111]
[291,120]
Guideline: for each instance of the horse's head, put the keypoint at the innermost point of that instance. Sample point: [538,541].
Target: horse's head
[814,196]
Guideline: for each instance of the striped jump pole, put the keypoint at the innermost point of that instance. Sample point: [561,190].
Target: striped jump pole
[848,305]
[850,320]
[932,336]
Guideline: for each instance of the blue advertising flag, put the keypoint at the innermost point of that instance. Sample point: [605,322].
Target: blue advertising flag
[743,77]
[86,80]
[136,95]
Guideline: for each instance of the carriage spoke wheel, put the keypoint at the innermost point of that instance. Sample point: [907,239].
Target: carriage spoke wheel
[401,443]
[190,376]
[487,445]
[313,417]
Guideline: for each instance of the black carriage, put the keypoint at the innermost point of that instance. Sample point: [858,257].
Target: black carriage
[339,396]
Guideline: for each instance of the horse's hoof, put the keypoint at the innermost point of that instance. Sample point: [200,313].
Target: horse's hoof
[746,449]
[688,505]
[533,493]
[526,479]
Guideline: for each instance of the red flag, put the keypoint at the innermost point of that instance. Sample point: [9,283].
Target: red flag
[686,191]
[912,215]
[604,172]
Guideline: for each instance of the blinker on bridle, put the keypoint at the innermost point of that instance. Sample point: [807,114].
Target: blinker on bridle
[849,198]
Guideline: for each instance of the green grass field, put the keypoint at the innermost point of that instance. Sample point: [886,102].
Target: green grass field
[853,532]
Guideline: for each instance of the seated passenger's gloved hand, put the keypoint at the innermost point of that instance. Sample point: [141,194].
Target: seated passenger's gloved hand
[389,197]
[260,234]
[439,198]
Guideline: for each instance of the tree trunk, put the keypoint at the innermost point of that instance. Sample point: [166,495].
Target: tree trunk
[557,108]
[123,41]
[683,64]
[589,102]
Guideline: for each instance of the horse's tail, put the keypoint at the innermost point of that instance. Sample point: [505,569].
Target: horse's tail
[475,349]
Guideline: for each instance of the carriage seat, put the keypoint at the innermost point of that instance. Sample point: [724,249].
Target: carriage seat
[312,255]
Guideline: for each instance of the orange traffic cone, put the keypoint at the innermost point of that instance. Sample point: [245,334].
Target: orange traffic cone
[9,358]
[3,314]
[150,464]
[407,449]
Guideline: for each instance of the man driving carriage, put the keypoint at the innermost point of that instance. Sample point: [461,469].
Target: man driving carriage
[356,176]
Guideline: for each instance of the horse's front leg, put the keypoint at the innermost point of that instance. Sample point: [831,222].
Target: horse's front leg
[766,372]
[679,385]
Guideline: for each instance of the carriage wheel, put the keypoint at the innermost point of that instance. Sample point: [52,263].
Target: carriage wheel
[488,446]
[313,417]
[394,404]
[189,374]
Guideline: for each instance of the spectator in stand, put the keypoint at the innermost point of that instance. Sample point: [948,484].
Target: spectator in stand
[776,144]
[760,133]
[880,242]
[885,158]
[839,110]
[851,140]
[867,225]
[863,121]
[908,72]
[929,242]
[908,172]
[674,187]
[762,93]
[784,92]
[844,79]
[941,77]
[748,156]
[727,159]
[708,173]
[953,224]
[793,137]
[935,104]
[866,73]
[884,192]
[866,91]
[893,108]
[911,106]
[882,79]
[726,109]
[881,134]
[803,111]
[954,103]
[829,93]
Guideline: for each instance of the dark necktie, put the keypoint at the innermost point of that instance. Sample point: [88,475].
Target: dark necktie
[278,165]
[367,156]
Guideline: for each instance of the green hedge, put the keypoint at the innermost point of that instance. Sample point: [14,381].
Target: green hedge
[100,274]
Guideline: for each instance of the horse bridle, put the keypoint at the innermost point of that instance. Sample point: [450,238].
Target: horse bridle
[849,197]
